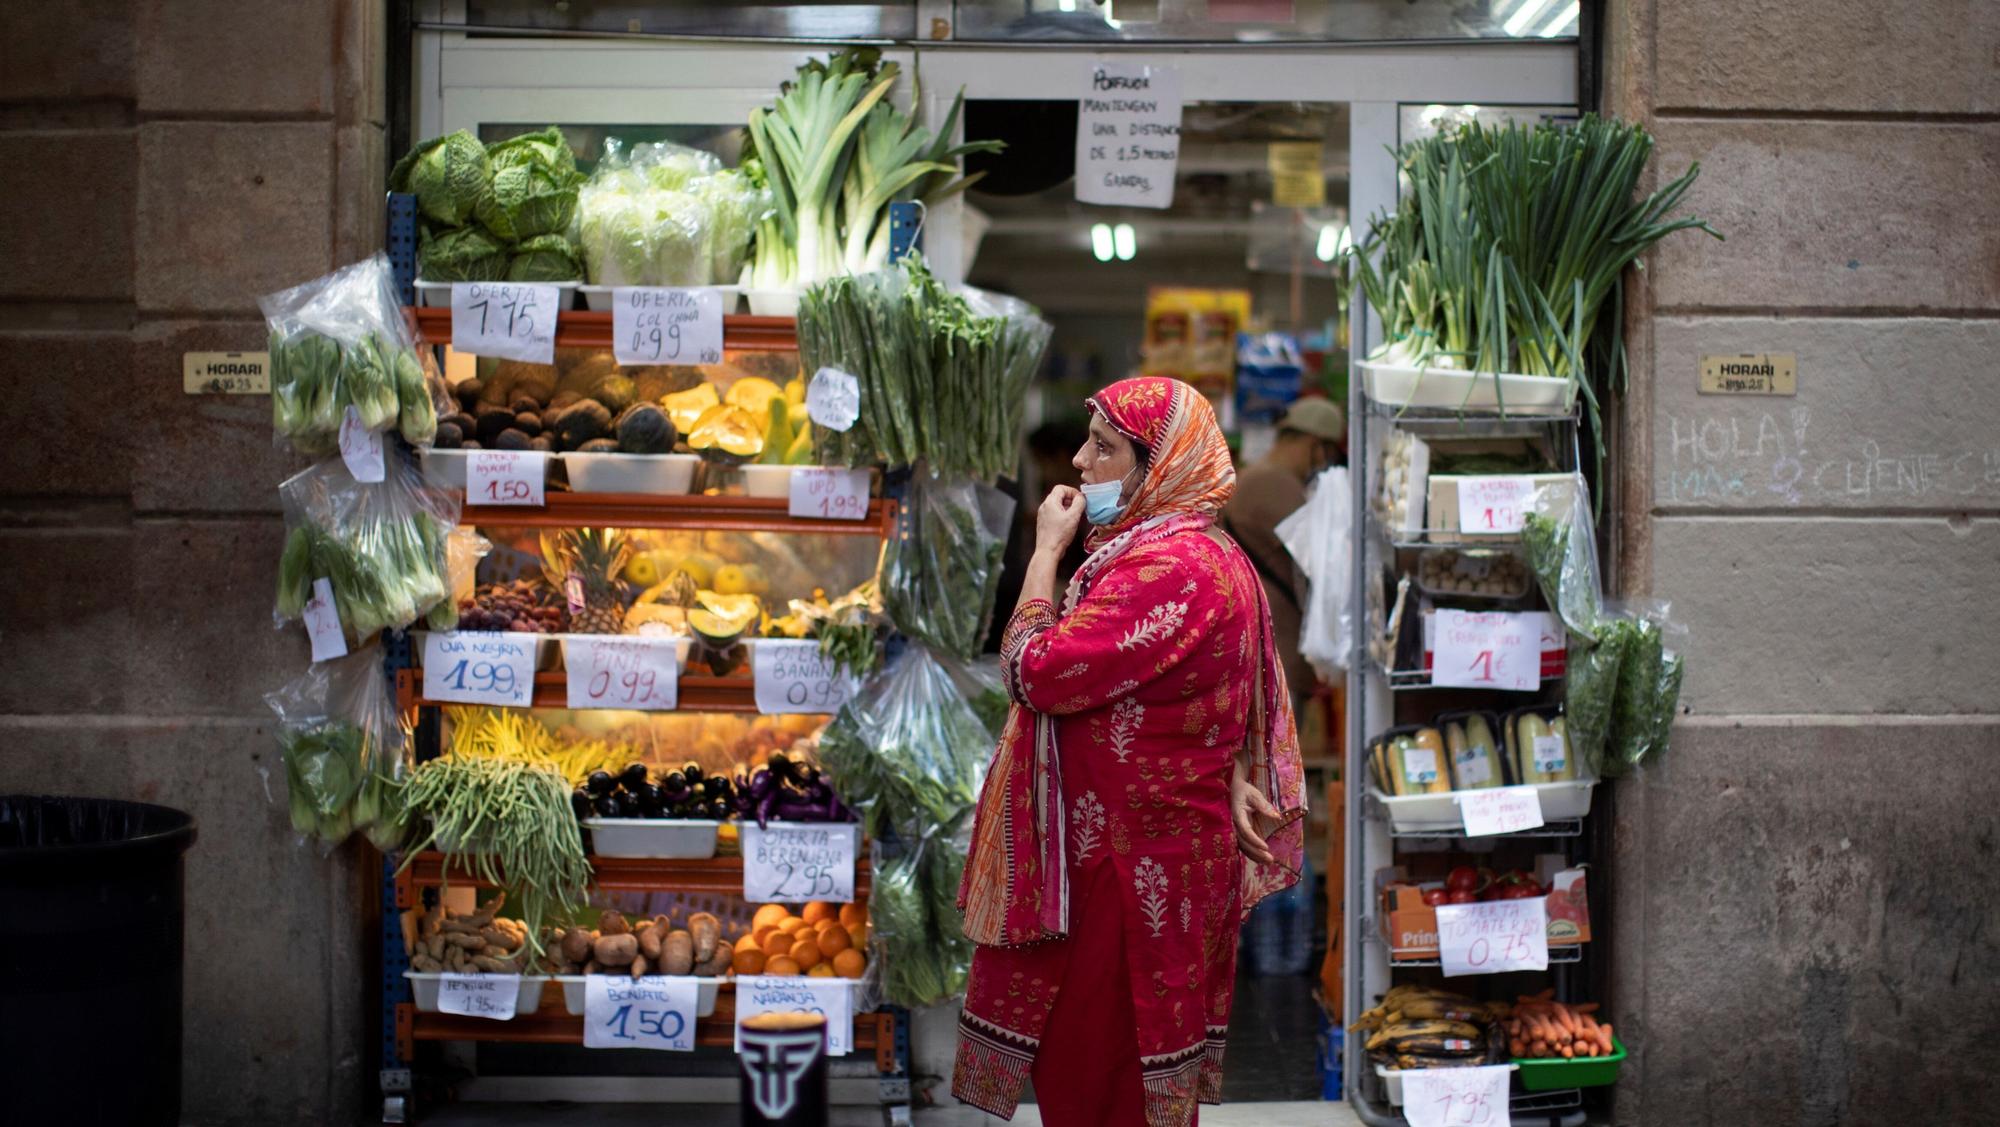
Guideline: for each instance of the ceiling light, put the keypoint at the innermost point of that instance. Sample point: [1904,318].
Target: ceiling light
[1524,15]
[1066,5]
[1564,22]
[1128,242]
[1432,114]
[1100,242]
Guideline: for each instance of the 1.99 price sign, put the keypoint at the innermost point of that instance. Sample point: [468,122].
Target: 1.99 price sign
[1456,1097]
[632,673]
[654,1012]
[475,668]
[506,477]
[829,494]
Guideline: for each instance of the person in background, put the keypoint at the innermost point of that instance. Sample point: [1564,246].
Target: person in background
[1309,440]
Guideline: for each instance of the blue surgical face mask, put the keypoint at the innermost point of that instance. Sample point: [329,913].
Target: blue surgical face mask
[1103,501]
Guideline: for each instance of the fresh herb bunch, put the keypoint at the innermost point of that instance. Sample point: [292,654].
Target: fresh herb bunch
[941,572]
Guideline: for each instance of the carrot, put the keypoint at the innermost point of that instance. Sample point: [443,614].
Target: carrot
[1568,1053]
[1604,1039]
[1586,1008]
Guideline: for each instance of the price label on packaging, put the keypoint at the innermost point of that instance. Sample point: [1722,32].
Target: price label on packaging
[1456,1097]
[1128,135]
[833,399]
[1494,504]
[791,675]
[1498,935]
[474,668]
[1499,810]
[831,998]
[827,493]
[664,325]
[323,623]
[1550,753]
[653,1012]
[635,673]
[479,995]
[1487,650]
[506,477]
[360,447]
[791,863]
[510,320]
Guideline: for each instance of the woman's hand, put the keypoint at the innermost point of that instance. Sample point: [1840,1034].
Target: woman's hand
[1246,804]
[1056,521]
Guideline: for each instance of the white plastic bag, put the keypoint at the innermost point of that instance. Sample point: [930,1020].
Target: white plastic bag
[1317,536]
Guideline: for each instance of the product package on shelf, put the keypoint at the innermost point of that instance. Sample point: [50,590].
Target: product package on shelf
[942,569]
[377,549]
[1409,895]
[343,748]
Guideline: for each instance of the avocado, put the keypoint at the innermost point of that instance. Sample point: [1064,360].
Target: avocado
[599,446]
[448,436]
[528,422]
[511,439]
[493,420]
[580,422]
[645,429]
[615,392]
[469,392]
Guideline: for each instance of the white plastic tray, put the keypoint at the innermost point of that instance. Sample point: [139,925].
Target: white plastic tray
[1392,1079]
[574,995]
[425,986]
[1416,812]
[598,298]
[630,473]
[668,838]
[439,293]
[444,468]
[768,481]
[1451,389]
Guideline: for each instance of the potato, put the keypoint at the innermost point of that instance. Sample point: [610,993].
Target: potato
[677,953]
[707,933]
[615,950]
[718,964]
[576,945]
[613,923]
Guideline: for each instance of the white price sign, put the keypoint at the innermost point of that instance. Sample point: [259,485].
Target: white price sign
[791,675]
[831,998]
[829,494]
[1128,135]
[475,668]
[1499,810]
[1494,504]
[1495,936]
[510,320]
[833,399]
[1487,650]
[479,995]
[1551,754]
[1456,1097]
[791,863]
[360,447]
[323,623]
[506,477]
[662,325]
[654,1012]
[635,673]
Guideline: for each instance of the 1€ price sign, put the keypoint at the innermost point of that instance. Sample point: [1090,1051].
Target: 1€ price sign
[1495,936]
[479,995]
[664,325]
[1499,810]
[830,998]
[1496,505]
[653,1012]
[791,675]
[510,320]
[506,477]
[1456,1097]
[791,863]
[643,674]
[829,494]
[479,668]
[1487,650]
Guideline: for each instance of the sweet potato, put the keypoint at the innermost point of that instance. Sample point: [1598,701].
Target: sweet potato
[650,935]
[718,963]
[639,967]
[707,933]
[576,945]
[615,950]
[613,923]
[468,942]
[677,953]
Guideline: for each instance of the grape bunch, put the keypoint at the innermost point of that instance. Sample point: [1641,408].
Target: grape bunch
[525,606]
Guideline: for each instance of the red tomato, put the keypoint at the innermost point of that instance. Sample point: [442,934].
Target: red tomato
[1435,896]
[1461,896]
[1463,878]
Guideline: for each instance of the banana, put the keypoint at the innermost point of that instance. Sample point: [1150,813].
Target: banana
[1405,1030]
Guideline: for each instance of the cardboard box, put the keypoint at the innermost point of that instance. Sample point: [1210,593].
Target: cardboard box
[1409,925]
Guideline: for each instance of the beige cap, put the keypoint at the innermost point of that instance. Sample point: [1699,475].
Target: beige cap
[1317,416]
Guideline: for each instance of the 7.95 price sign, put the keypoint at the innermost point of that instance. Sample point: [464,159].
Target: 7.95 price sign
[791,863]
[476,668]
[635,673]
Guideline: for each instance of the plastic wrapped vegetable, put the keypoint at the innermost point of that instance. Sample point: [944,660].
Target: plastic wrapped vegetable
[380,545]
[1648,689]
[923,954]
[1562,550]
[343,749]
[942,568]
[665,215]
[908,749]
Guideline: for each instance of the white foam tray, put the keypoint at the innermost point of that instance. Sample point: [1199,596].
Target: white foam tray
[1417,812]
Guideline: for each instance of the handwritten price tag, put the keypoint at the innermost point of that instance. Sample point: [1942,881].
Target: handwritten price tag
[635,673]
[830,998]
[1456,1097]
[474,668]
[833,399]
[479,995]
[654,1012]
[1487,650]
[506,477]
[323,623]
[1494,504]
[1499,810]
[1495,936]
[791,675]
[829,493]
[797,862]
[659,325]
[511,320]
[360,447]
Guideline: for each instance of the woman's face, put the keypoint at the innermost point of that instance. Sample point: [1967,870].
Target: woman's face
[1106,456]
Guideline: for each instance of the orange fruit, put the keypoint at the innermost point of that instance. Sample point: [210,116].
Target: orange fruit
[821,970]
[818,910]
[791,925]
[769,915]
[853,913]
[834,940]
[777,943]
[750,961]
[849,964]
[858,934]
[781,965]
[806,953]
[750,943]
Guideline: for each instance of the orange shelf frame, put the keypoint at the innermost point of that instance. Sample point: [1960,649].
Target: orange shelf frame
[740,332]
[698,692]
[552,1024]
[717,875]
[689,512]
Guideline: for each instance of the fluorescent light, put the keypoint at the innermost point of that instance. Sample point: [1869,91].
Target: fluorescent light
[1334,239]
[1100,242]
[1432,114]
[1128,241]
[1523,15]
[1562,23]
[1066,5]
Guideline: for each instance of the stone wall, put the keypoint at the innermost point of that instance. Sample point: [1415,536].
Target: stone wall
[1803,903]
[165,162]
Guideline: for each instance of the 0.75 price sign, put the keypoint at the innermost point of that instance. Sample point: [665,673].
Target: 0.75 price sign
[1495,936]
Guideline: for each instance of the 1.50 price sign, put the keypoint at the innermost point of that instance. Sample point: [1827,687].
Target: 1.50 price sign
[793,863]
[506,477]
[654,1012]
[475,668]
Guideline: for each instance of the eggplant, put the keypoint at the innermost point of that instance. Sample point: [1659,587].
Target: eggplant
[599,784]
[633,776]
[692,773]
[674,780]
[579,801]
[780,766]
[610,806]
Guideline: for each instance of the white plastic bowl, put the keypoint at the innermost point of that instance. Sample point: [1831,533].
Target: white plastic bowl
[425,986]
[768,481]
[671,838]
[1422,812]
[1475,392]
[575,996]
[439,293]
[630,473]
[444,468]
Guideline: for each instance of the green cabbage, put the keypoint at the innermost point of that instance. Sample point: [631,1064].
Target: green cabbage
[469,254]
[448,175]
[533,189]
[545,258]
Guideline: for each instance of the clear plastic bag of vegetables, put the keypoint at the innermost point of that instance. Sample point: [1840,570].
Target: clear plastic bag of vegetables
[661,214]
[1622,689]
[381,547]
[921,952]
[941,569]
[343,749]
[339,344]
[908,750]
[1561,541]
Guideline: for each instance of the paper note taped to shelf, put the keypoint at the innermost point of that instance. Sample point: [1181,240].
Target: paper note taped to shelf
[796,862]
[1498,935]
[1494,504]
[653,1012]
[1456,1097]
[322,617]
[476,668]
[637,673]
[827,493]
[479,995]
[1487,650]
[833,399]
[1128,135]
[1499,810]
[665,325]
[791,675]
[831,998]
[506,477]
[510,320]
[360,447]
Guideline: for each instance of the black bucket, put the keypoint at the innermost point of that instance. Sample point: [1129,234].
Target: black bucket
[90,960]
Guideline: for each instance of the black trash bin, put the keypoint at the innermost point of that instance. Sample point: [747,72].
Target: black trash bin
[90,960]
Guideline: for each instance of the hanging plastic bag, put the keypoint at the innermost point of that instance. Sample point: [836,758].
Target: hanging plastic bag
[1648,687]
[380,545]
[908,751]
[338,344]
[941,570]
[923,955]
[343,748]
[1561,541]
[1317,537]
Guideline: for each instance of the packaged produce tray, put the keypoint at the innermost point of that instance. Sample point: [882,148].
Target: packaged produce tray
[425,987]
[574,994]
[1417,812]
[1392,1079]
[676,839]
[1475,393]
[1549,1074]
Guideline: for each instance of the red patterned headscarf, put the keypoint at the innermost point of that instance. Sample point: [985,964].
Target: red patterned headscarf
[1188,469]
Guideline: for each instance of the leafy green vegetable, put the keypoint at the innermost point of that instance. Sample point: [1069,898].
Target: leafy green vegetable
[448,175]
[533,187]
[380,545]
[1590,686]
[914,913]
[941,572]
[908,749]
[495,213]
[468,254]
[1558,552]
[664,215]
[545,258]
[341,742]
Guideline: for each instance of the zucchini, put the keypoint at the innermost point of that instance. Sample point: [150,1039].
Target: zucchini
[1540,752]
[1475,758]
[1419,764]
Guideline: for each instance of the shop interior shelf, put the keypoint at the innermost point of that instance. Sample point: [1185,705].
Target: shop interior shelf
[1444,418]
[719,875]
[1416,539]
[593,330]
[1561,827]
[1570,953]
[873,1032]
[682,511]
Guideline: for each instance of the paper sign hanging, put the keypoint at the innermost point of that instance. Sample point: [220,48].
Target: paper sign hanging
[637,673]
[1494,504]
[796,863]
[664,325]
[322,616]
[1128,135]
[360,447]
[1457,1097]
[1499,810]
[833,399]
[792,675]
[469,667]
[479,995]
[1487,650]
[510,320]
[827,493]
[506,477]
[1495,936]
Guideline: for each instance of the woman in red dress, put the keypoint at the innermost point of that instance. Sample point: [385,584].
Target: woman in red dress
[1146,793]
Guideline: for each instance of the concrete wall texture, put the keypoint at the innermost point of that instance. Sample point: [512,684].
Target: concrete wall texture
[1810,867]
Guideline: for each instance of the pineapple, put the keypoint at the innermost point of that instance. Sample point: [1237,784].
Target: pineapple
[585,562]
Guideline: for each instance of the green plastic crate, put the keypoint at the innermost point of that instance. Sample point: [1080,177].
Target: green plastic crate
[1553,1074]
